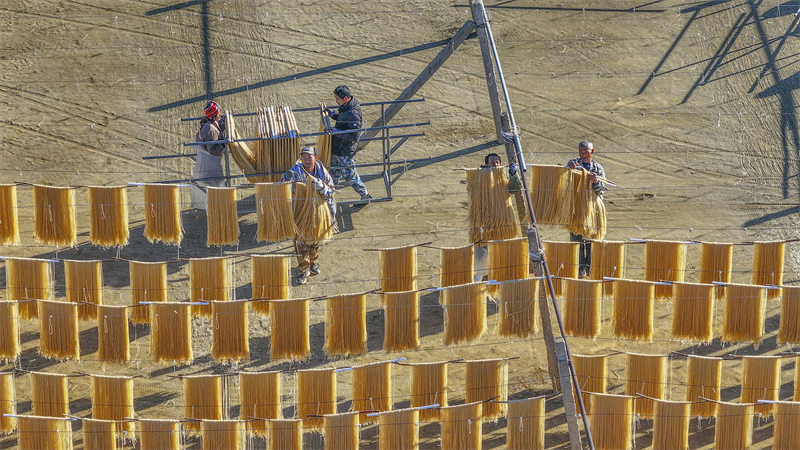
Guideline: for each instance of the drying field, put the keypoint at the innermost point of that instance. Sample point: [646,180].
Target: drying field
[690,105]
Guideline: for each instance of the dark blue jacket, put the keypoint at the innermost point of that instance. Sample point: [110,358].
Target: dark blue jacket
[348,118]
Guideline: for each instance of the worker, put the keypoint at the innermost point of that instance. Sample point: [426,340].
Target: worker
[585,161]
[345,145]
[308,165]
[208,162]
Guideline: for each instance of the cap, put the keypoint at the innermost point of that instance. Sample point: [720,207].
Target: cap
[212,108]
[310,149]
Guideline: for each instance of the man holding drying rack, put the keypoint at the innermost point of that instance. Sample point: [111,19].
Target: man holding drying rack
[585,161]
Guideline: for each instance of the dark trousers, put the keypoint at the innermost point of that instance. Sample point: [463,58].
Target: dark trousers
[584,253]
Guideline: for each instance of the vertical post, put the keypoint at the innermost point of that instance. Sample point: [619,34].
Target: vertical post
[569,400]
[227,166]
[479,16]
[387,154]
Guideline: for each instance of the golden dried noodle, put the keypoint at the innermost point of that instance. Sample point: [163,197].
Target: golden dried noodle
[429,387]
[562,260]
[398,429]
[664,261]
[202,399]
[768,260]
[9,331]
[525,426]
[787,426]
[646,375]
[112,399]
[259,396]
[582,301]
[274,212]
[222,217]
[37,433]
[583,212]
[324,146]
[591,372]
[99,434]
[209,279]
[28,278]
[84,286]
[280,148]
[734,428]
[671,425]
[8,406]
[270,280]
[761,380]
[464,312]
[457,265]
[341,431]
[108,209]
[491,213]
[487,381]
[549,185]
[789,329]
[155,434]
[398,269]
[508,260]
[9,222]
[346,325]
[462,427]
[229,334]
[611,421]
[633,309]
[608,260]
[223,434]
[312,218]
[745,308]
[290,335]
[693,316]
[49,394]
[58,330]
[240,151]
[162,214]
[171,332]
[704,379]
[316,396]
[54,215]
[517,307]
[796,396]
[372,389]
[285,434]
[112,334]
[716,261]
[401,321]
[148,284]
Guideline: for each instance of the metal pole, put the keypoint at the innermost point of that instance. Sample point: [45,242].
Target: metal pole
[316,108]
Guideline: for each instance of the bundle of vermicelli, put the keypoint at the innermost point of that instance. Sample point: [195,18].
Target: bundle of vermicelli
[51,433]
[112,399]
[462,427]
[664,261]
[429,387]
[457,264]
[99,434]
[259,396]
[398,429]
[312,218]
[591,373]
[611,419]
[734,426]
[148,284]
[202,399]
[108,209]
[549,186]
[372,389]
[464,312]
[671,425]
[222,434]
[646,375]
[633,309]
[787,426]
[112,333]
[270,280]
[398,269]
[324,146]
[155,434]
[8,406]
[9,331]
[796,396]
[281,146]
[761,380]
[240,151]
[582,312]
[84,286]
[316,396]
[223,222]
[704,378]
[744,310]
[171,332]
[768,265]
[274,212]
[346,325]
[789,329]
[229,338]
[209,279]
[508,260]
[285,434]
[401,330]
[162,214]
[491,214]
[716,260]
[525,429]
[693,317]
[341,431]
[487,381]
[290,338]
[608,260]
[517,309]
[9,224]
[54,215]
[583,212]
[562,260]
[58,330]
[49,394]
[28,278]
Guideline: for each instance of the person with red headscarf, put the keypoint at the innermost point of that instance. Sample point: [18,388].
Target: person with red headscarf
[208,166]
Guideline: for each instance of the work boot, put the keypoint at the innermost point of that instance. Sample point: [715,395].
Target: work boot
[302,277]
[314,269]
[365,200]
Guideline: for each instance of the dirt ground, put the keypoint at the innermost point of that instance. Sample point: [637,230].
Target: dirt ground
[690,105]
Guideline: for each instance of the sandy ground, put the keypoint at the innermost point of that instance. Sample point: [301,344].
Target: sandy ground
[690,105]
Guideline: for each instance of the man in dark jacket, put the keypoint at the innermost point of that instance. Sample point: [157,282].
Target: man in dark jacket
[345,145]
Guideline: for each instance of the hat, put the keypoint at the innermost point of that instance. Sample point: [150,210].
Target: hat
[310,149]
[212,108]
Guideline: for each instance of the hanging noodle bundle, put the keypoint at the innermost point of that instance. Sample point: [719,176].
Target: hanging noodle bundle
[9,224]
[398,429]
[341,431]
[787,426]
[549,186]
[525,428]
[761,380]
[230,337]
[562,259]
[259,396]
[162,214]
[582,300]
[49,394]
[290,335]
[324,146]
[7,403]
[312,218]
[591,372]
[429,387]
[745,308]
[464,312]
[222,434]
[398,269]
[148,284]
[372,389]
[664,261]
[270,280]
[155,434]
[768,266]
[401,321]
[693,317]
[608,260]
[796,396]
[671,425]
[285,434]
[508,260]
[704,379]
[491,214]
[583,212]
[223,222]
[54,215]
[242,154]
[9,331]
[38,433]
[28,278]
[789,329]
[462,427]
[112,333]
[346,325]
[171,332]
[84,280]
[58,330]
[202,399]
[611,419]
[716,261]
[112,399]
[633,309]
[457,265]
[209,279]
[517,307]
[487,381]
[646,375]
[108,209]
[316,396]
[274,212]
[99,434]
[277,153]
[734,429]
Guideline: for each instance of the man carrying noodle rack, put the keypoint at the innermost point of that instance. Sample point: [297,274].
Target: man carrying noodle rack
[308,167]
[585,161]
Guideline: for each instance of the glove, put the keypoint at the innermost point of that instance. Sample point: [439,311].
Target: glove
[318,184]
[512,169]
[334,129]
[331,112]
